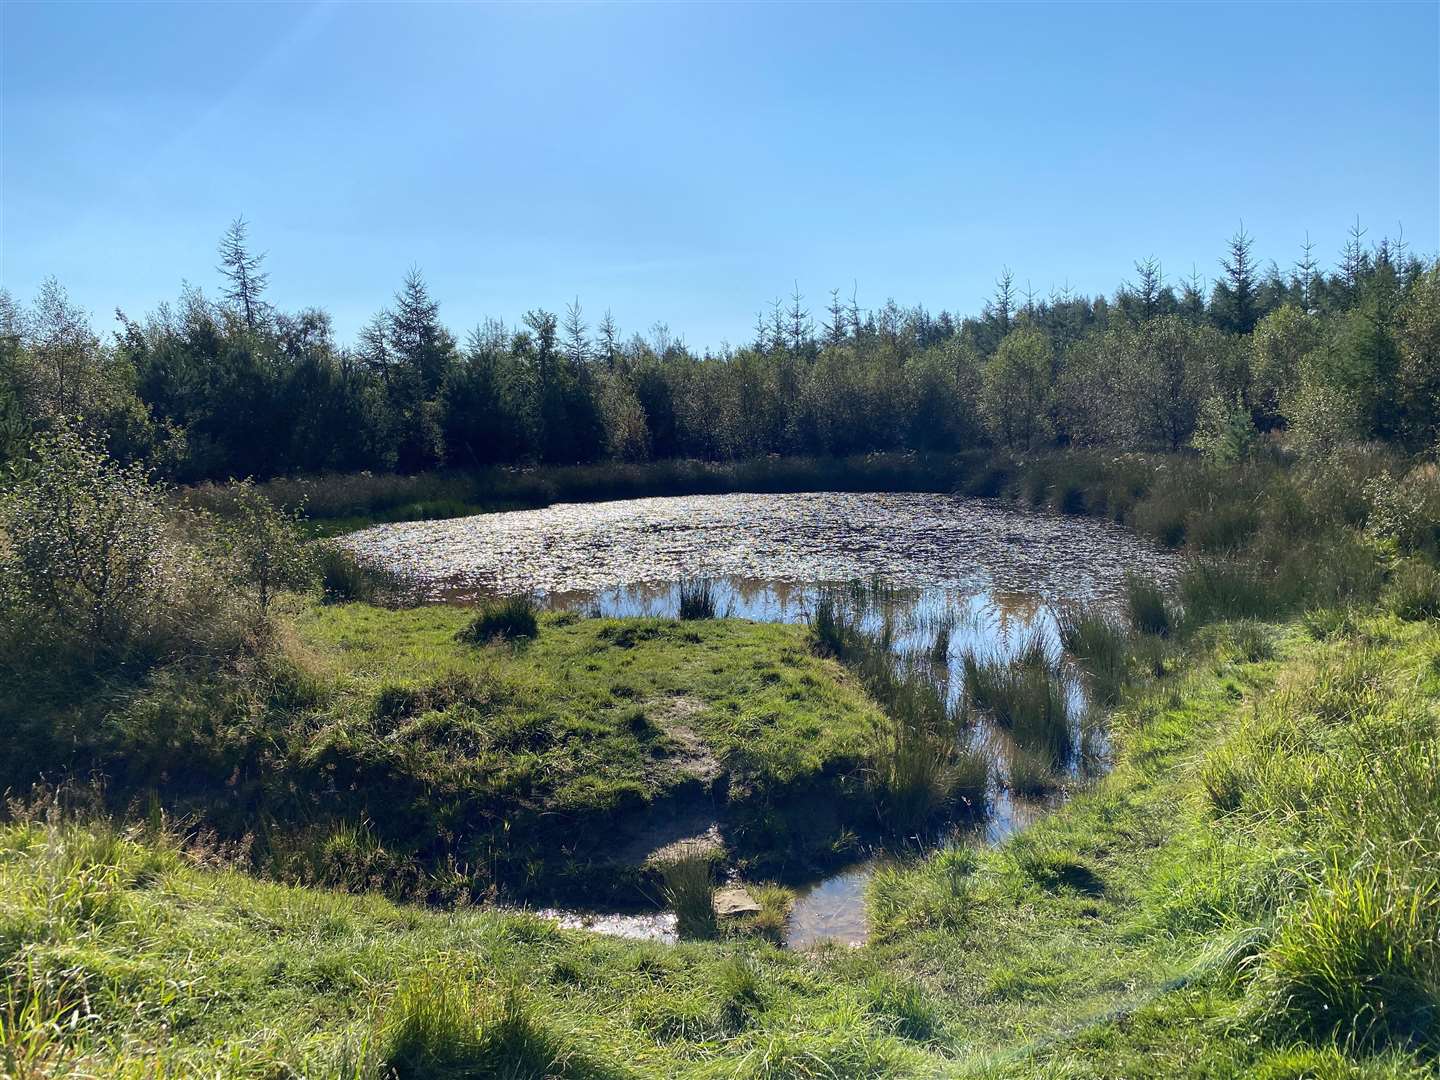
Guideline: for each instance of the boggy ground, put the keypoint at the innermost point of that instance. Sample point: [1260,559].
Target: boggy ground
[1251,892]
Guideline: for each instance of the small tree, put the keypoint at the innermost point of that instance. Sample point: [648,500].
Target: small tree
[85,549]
[244,279]
[1224,433]
[266,547]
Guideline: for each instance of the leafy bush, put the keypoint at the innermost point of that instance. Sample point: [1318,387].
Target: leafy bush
[90,560]
[1406,510]
[265,547]
[510,619]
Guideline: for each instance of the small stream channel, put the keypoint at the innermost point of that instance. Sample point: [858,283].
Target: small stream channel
[992,573]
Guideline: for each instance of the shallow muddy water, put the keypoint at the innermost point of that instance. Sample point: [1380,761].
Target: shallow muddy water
[989,572]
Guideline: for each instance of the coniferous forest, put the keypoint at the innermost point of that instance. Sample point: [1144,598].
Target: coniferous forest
[222,384]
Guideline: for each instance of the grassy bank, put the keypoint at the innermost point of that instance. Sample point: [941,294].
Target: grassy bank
[381,748]
[1251,892]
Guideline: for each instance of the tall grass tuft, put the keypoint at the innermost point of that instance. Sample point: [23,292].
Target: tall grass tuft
[834,629]
[1028,772]
[689,889]
[1147,605]
[1414,591]
[1215,589]
[1037,714]
[982,678]
[697,599]
[1100,644]
[345,579]
[441,1026]
[920,773]
[509,619]
[1357,961]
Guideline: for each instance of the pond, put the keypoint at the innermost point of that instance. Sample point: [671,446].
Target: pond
[986,576]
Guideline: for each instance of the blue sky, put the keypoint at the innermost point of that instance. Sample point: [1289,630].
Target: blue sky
[686,163]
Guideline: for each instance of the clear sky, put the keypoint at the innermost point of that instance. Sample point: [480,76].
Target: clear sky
[686,163]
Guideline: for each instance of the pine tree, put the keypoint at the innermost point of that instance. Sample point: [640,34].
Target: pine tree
[1003,306]
[1147,288]
[1305,270]
[799,328]
[835,327]
[1354,260]
[577,346]
[609,338]
[1237,292]
[242,271]
[416,336]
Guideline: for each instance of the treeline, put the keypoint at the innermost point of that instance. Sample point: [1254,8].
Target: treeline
[212,388]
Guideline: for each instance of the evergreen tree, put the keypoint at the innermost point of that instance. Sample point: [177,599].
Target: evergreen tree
[1235,300]
[242,271]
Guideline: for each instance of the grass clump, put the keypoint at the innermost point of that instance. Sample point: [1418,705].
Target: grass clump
[697,599]
[510,619]
[1029,699]
[345,579]
[1101,646]
[440,1026]
[1357,960]
[1413,592]
[1030,773]
[1148,607]
[834,628]
[1216,589]
[688,885]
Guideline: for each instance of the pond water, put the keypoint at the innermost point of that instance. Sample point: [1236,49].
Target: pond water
[990,574]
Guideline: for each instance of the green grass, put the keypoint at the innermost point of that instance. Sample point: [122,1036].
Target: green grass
[373,748]
[1250,892]
[1144,929]
[540,753]
[1148,607]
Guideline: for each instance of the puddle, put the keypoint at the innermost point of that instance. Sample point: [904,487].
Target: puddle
[990,572]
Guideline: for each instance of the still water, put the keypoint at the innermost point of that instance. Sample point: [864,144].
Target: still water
[989,573]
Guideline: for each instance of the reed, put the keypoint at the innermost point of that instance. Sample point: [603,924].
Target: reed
[1101,646]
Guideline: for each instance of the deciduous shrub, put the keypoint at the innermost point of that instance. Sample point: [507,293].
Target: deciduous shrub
[91,561]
